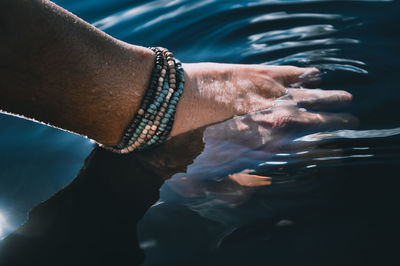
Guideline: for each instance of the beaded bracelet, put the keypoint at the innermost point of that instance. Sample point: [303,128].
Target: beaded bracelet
[154,119]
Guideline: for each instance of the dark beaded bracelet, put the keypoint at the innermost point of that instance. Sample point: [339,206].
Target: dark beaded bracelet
[154,119]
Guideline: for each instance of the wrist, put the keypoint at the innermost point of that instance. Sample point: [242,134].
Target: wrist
[124,84]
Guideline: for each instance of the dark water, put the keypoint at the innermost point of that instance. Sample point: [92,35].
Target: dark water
[334,197]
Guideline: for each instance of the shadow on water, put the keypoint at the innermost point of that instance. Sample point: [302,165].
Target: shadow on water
[237,194]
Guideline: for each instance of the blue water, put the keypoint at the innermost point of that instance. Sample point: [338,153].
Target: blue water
[328,188]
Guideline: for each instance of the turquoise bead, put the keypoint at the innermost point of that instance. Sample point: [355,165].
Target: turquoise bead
[152,106]
[164,120]
[161,129]
[167,115]
[170,111]
[136,135]
[162,126]
[157,104]
[173,102]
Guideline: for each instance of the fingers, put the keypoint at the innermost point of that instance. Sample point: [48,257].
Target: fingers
[324,120]
[294,76]
[246,180]
[319,99]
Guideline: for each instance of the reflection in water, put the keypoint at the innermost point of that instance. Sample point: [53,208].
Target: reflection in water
[351,134]
[2,225]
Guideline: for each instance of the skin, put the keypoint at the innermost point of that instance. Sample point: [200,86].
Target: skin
[59,70]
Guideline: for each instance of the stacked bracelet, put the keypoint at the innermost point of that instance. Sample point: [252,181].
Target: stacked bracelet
[154,119]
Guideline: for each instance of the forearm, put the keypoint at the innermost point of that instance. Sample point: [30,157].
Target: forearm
[60,70]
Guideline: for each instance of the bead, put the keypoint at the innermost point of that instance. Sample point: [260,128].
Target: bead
[163,71]
[144,132]
[172,71]
[151,132]
[141,112]
[162,109]
[156,123]
[172,81]
[147,127]
[142,136]
[158,118]
[171,91]
[164,120]
[154,127]
[130,148]
[140,140]
[172,86]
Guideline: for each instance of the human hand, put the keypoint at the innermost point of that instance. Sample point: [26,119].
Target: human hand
[245,141]
[217,92]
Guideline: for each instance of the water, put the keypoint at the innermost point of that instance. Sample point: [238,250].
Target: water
[332,192]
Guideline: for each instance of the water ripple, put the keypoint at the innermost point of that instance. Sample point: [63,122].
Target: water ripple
[351,134]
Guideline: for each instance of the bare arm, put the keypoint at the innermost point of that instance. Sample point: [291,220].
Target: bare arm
[60,70]
[56,68]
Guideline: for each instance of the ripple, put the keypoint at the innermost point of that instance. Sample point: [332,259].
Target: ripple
[351,134]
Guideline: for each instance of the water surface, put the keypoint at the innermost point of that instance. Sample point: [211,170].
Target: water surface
[331,192]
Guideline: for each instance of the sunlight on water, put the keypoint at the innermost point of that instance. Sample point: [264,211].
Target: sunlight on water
[351,134]
[2,225]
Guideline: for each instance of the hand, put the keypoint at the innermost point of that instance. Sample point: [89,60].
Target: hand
[216,92]
[245,141]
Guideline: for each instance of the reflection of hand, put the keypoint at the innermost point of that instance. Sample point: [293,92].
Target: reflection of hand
[243,141]
[216,92]
[269,130]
